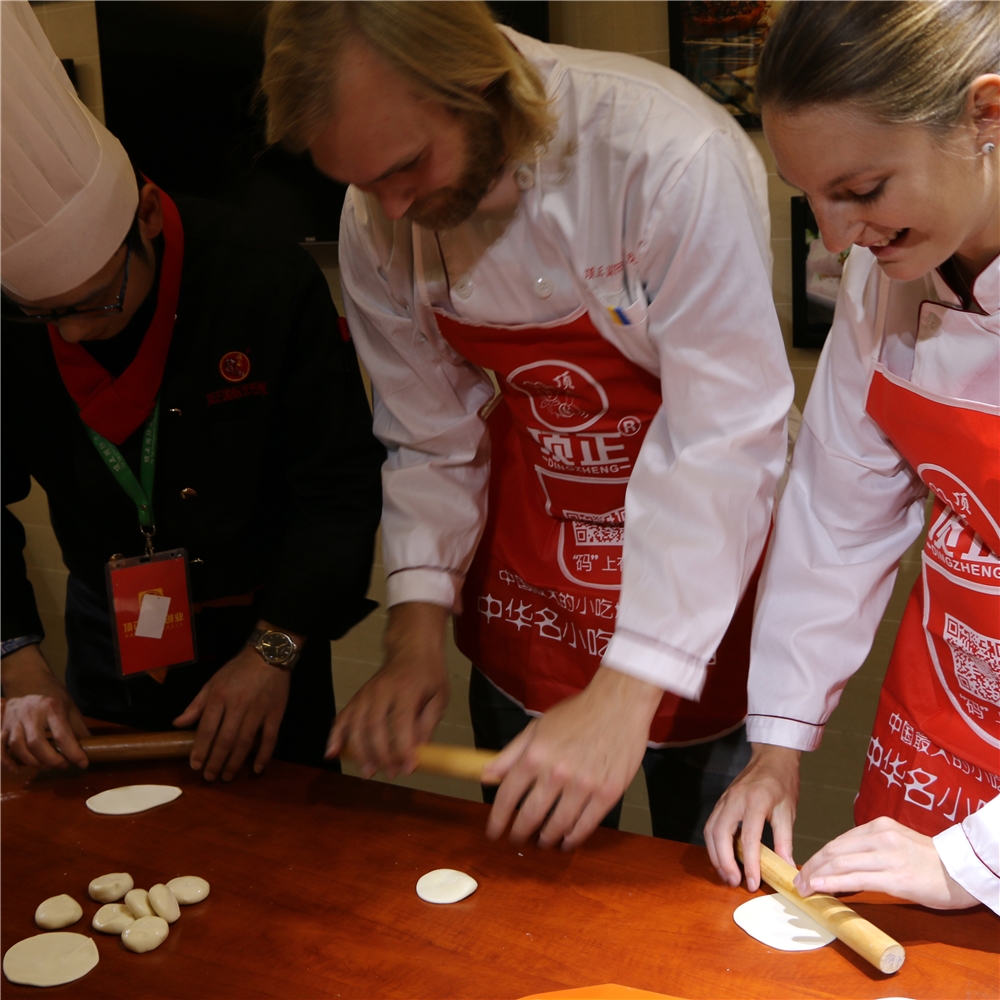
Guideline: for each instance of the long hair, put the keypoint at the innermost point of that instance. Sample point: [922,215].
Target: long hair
[452,51]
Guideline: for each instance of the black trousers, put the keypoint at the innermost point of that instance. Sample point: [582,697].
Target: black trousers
[141,702]
[684,783]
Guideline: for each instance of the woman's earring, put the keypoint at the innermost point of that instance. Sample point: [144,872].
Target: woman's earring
[988,148]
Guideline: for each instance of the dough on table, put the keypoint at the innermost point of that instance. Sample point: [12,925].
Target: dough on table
[137,901]
[188,889]
[110,888]
[50,959]
[778,923]
[161,899]
[58,911]
[131,799]
[445,885]
[112,918]
[145,934]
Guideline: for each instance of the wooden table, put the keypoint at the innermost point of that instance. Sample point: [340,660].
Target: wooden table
[313,880]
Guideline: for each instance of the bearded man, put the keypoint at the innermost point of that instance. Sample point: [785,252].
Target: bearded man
[594,231]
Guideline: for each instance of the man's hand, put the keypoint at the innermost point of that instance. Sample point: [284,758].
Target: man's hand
[37,706]
[245,697]
[572,765]
[884,856]
[767,789]
[383,724]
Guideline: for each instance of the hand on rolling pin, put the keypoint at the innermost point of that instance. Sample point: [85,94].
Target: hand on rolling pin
[244,697]
[884,856]
[393,713]
[572,765]
[38,706]
[766,790]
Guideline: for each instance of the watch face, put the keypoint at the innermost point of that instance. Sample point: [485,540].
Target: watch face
[276,646]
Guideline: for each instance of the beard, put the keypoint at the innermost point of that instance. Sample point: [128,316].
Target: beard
[449,207]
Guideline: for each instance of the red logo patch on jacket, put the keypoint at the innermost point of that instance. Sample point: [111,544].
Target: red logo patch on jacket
[234,366]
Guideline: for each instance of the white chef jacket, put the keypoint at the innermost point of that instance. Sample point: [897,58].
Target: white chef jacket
[852,507]
[651,200]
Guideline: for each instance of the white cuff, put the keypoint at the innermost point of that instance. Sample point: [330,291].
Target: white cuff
[783,732]
[434,586]
[967,850]
[656,663]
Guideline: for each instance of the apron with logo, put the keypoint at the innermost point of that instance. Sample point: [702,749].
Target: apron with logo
[933,754]
[541,596]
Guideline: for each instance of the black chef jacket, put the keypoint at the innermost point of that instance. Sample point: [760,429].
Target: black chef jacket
[272,484]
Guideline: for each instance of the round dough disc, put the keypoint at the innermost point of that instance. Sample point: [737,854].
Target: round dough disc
[777,923]
[188,889]
[50,959]
[131,799]
[445,885]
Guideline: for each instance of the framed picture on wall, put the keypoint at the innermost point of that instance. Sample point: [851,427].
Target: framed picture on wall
[816,275]
[716,45]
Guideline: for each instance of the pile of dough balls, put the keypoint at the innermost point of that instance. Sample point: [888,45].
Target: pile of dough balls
[143,919]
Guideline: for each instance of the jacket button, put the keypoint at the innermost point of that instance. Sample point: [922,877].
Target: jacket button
[931,322]
[187,493]
[524,177]
[543,287]
[174,412]
[464,287]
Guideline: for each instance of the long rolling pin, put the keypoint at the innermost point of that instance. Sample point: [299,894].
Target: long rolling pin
[436,758]
[860,935]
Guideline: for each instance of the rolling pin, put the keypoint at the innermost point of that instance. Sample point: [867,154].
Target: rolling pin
[873,945]
[436,758]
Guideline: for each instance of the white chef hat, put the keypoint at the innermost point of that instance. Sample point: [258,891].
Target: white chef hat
[68,190]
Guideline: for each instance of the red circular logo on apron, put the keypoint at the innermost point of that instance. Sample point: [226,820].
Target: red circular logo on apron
[234,366]
[564,396]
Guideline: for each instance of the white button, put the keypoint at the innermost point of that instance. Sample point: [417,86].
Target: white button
[543,287]
[932,321]
[524,177]
[464,287]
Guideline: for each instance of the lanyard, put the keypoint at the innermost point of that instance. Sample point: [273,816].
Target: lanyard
[141,489]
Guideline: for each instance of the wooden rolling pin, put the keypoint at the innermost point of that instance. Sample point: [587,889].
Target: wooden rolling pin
[873,945]
[436,758]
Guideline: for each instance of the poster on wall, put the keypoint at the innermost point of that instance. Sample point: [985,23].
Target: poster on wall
[816,274]
[716,45]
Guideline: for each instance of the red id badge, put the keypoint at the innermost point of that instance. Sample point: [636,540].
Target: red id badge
[150,598]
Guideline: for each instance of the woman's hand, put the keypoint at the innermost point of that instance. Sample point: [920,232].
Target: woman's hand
[884,856]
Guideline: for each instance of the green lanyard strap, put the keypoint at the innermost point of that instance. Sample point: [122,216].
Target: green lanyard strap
[141,489]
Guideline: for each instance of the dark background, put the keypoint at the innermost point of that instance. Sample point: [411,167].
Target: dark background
[180,83]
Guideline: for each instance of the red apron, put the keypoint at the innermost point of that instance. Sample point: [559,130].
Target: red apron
[541,596]
[932,758]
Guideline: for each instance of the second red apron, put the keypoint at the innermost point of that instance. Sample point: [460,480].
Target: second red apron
[541,597]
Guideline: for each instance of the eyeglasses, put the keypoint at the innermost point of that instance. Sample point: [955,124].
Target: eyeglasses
[14,313]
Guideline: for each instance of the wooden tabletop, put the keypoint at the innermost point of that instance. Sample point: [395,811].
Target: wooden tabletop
[313,895]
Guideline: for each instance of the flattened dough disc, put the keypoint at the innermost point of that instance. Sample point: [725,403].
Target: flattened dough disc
[445,885]
[50,959]
[777,923]
[131,799]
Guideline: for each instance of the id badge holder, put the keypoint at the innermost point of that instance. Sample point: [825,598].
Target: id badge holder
[150,599]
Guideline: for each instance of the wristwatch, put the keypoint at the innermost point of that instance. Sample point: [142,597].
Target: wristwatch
[276,648]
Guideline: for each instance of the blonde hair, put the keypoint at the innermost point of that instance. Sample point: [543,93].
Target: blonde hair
[905,63]
[452,51]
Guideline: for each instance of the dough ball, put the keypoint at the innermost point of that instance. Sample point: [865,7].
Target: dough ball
[110,888]
[161,899]
[50,959]
[58,911]
[145,934]
[445,885]
[778,923]
[112,918]
[188,889]
[138,903]
[132,799]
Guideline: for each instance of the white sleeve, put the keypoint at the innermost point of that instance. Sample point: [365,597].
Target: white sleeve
[970,851]
[850,510]
[699,501]
[426,412]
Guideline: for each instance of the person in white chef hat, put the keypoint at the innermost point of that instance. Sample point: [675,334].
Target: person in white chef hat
[888,116]
[266,471]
